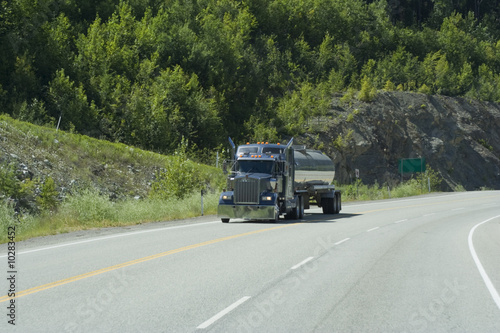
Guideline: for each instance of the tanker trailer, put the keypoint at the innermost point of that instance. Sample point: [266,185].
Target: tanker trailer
[314,174]
[267,180]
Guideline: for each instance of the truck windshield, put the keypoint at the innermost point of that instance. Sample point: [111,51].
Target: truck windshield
[256,166]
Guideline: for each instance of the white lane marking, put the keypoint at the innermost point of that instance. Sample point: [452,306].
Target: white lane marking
[401,221]
[109,237]
[457,209]
[340,242]
[224,312]
[429,214]
[369,230]
[486,279]
[302,263]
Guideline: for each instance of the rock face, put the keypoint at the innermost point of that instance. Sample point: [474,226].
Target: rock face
[459,138]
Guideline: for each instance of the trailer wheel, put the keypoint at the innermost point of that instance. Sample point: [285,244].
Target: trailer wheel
[335,204]
[338,203]
[328,205]
[225,220]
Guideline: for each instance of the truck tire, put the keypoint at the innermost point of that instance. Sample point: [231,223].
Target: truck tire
[301,207]
[338,203]
[294,213]
[225,220]
[328,205]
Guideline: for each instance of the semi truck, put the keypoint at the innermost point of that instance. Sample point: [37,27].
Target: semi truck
[269,180]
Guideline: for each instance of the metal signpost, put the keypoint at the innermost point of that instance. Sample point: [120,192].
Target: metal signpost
[356,171]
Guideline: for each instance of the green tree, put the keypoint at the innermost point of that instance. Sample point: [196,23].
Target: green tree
[69,102]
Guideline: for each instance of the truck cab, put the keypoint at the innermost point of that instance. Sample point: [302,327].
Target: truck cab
[261,183]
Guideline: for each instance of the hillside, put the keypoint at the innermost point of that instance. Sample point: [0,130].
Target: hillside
[32,154]
[77,161]
[459,138]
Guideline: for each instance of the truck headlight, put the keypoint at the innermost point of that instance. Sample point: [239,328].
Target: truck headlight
[227,197]
[267,198]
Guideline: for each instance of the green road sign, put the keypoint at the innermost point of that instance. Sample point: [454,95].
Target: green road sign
[411,165]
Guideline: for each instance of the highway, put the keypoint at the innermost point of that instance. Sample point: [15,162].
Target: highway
[422,264]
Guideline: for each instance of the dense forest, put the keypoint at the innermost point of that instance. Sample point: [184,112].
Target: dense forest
[153,73]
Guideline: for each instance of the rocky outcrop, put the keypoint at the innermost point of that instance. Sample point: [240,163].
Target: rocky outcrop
[459,138]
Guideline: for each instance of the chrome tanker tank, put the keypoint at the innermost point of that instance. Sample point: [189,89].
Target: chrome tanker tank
[312,167]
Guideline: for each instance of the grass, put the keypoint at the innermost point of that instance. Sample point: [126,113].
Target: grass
[363,192]
[89,210]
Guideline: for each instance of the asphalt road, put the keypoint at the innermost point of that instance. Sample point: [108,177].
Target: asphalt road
[425,264]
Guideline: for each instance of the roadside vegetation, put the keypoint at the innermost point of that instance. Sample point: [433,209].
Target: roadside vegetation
[421,183]
[68,193]
[90,210]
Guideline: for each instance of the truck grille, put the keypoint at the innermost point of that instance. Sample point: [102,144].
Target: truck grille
[246,190]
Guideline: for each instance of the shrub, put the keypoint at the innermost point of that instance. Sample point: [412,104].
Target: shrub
[88,207]
[389,86]
[22,192]
[7,216]
[48,196]
[181,177]
[368,91]
[10,186]
[424,89]
[430,175]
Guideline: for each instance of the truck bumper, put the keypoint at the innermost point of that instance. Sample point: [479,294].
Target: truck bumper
[250,212]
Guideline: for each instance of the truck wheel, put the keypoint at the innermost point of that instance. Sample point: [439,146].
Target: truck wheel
[225,220]
[328,205]
[324,205]
[293,214]
[301,207]
[337,203]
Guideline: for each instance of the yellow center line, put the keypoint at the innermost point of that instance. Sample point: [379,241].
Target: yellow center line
[134,262]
